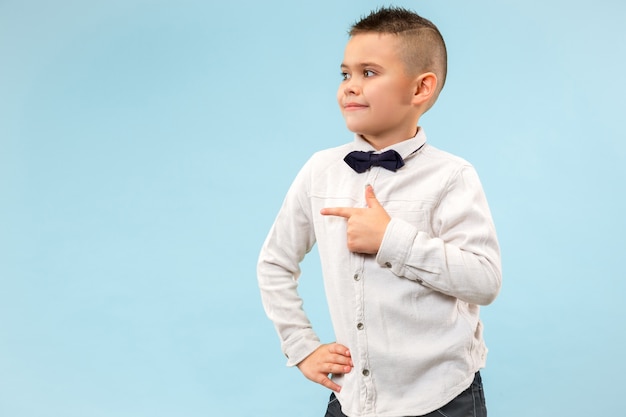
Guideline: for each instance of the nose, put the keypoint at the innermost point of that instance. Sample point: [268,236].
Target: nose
[351,87]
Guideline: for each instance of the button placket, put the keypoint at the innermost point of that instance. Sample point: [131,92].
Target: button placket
[366,387]
[359,316]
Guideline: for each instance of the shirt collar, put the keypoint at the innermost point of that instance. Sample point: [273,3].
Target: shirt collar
[405,148]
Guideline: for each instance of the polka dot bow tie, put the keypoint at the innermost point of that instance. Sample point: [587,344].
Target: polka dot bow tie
[362,161]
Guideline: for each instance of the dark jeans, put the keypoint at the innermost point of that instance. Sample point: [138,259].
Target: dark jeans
[470,403]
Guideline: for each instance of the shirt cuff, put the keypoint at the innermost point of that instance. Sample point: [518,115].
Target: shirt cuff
[300,346]
[396,245]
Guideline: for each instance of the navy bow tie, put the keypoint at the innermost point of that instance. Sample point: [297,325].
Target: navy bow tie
[362,161]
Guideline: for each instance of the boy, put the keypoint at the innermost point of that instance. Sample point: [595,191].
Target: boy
[404,270]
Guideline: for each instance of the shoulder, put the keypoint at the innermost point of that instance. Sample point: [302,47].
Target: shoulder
[450,169]
[330,158]
[321,166]
[446,159]
[332,154]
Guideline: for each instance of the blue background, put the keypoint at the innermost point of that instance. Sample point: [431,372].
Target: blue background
[146,146]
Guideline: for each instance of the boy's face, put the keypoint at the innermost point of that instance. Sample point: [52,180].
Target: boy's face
[376,94]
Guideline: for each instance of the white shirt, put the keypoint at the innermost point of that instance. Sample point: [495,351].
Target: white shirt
[410,314]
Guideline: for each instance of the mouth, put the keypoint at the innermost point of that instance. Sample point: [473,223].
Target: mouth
[354,106]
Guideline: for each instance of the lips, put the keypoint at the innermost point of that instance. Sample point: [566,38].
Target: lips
[354,106]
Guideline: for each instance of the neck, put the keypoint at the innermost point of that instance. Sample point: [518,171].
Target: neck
[381,142]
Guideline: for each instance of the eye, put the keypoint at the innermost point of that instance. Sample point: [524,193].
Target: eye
[368,73]
[345,76]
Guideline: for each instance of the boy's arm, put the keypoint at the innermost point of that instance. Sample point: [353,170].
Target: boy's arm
[462,259]
[278,270]
[288,241]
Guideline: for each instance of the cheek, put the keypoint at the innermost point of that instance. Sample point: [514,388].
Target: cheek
[340,100]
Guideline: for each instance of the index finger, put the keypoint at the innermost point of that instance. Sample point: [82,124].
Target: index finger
[328,383]
[346,212]
[339,349]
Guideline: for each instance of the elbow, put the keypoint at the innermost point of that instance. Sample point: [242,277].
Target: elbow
[487,298]
[491,288]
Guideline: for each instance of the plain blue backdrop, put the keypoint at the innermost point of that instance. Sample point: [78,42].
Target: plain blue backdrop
[146,146]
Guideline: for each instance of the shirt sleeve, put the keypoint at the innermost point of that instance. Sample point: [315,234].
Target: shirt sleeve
[289,240]
[462,257]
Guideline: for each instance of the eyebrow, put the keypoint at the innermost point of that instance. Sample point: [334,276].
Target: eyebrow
[361,65]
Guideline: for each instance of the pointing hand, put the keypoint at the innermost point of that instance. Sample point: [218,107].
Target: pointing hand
[366,226]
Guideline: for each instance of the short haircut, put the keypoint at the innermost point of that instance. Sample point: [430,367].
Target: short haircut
[423,47]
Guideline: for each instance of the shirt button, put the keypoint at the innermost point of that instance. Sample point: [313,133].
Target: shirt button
[356,277]
[388,264]
[366,372]
[360,326]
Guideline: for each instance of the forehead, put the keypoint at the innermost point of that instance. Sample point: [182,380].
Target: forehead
[379,48]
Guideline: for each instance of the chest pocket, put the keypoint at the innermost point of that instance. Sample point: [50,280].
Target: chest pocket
[411,212]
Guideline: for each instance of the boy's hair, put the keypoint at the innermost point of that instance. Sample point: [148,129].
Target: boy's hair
[423,47]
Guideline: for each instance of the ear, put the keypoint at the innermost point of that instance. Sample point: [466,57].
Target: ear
[425,87]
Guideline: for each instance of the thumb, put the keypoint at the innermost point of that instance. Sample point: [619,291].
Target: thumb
[370,197]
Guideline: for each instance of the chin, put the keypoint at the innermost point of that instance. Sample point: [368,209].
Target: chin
[356,128]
